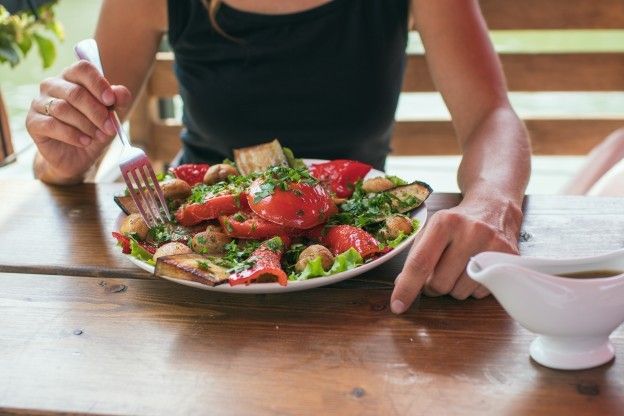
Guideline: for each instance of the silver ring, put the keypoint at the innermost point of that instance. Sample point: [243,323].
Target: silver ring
[46,106]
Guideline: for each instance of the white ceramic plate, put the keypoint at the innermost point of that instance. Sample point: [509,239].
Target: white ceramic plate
[257,288]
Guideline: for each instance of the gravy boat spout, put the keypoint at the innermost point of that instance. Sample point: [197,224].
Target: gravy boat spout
[572,304]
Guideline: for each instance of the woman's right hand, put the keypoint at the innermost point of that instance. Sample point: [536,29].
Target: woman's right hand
[69,120]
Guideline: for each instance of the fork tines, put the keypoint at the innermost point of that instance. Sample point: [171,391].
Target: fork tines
[145,190]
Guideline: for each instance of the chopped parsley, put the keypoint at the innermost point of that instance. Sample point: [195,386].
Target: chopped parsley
[233,185]
[279,177]
[367,210]
[237,257]
[275,244]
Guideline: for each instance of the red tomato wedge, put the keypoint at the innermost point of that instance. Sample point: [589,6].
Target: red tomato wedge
[340,238]
[341,175]
[191,173]
[248,225]
[300,206]
[194,213]
[266,265]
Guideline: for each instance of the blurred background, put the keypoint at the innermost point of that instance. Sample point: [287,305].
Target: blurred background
[19,85]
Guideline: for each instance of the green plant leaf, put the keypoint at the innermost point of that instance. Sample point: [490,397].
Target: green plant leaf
[57,28]
[47,50]
[25,44]
[9,53]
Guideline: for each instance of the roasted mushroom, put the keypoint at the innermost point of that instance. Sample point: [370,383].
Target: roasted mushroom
[134,225]
[312,252]
[395,225]
[218,173]
[210,242]
[171,249]
[378,184]
[176,189]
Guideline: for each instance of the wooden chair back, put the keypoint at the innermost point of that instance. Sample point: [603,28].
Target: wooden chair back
[6,144]
[525,71]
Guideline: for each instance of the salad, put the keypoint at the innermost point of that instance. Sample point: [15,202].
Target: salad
[267,217]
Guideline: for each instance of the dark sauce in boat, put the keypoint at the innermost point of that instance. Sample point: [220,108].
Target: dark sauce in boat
[591,274]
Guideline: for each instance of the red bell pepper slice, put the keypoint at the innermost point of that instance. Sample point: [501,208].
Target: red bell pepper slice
[341,175]
[194,213]
[248,225]
[266,259]
[340,238]
[123,241]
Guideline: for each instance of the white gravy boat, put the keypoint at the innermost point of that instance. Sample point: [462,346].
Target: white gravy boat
[572,316]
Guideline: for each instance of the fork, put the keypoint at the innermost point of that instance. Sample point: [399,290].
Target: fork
[135,167]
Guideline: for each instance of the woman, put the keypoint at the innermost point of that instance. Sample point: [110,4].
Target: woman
[603,171]
[323,76]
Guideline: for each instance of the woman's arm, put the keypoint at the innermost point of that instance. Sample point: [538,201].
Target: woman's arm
[495,166]
[600,160]
[69,120]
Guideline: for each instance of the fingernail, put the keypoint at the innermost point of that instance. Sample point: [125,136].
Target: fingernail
[397,307]
[108,98]
[109,127]
[85,140]
[100,135]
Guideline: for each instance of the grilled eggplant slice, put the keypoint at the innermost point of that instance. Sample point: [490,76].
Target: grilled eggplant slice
[192,267]
[410,196]
[259,158]
[126,204]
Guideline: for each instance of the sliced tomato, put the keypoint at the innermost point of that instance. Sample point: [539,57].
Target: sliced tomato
[212,208]
[341,175]
[340,238]
[248,225]
[266,266]
[191,173]
[300,206]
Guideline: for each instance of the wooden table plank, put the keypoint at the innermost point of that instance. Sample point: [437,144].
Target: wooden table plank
[107,345]
[61,230]
[66,230]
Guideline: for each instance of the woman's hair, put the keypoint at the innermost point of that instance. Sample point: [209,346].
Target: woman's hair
[213,6]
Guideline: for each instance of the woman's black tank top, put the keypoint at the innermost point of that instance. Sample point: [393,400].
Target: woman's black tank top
[325,81]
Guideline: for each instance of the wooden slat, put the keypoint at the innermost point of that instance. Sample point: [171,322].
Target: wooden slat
[549,137]
[540,72]
[6,143]
[162,82]
[120,346]
[166,139]
[524,72]
[553,14]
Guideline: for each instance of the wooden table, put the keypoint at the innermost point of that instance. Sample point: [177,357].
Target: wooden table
[82,330]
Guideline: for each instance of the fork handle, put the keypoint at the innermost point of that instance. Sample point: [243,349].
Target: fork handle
[88,50]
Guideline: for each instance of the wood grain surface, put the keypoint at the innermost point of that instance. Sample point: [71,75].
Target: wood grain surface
[132,346]
[67,230]
[82,330]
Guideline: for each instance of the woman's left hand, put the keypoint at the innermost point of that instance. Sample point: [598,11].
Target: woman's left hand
[437,261]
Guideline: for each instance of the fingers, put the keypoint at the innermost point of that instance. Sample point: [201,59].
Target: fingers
[481,293]
[65,112]
[420,264]
[88,76]
[80,99]
[41,127]
[123,97]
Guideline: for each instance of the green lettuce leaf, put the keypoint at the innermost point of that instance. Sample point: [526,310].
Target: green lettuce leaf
[348,260]
[140,253]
